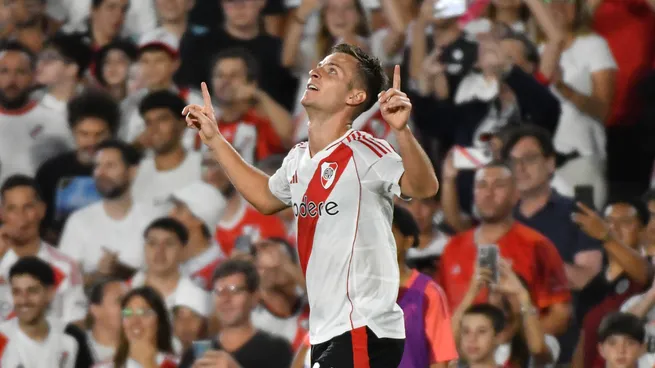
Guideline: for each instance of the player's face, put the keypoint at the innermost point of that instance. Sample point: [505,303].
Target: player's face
[331,84]
[22,213]
[110,16]
[171,11]
[164,128]
[623,219]
[157,68]
[15,76]
[108,313]
[31,298]
[116,68]
[531,168]
[139,321]
[228,76]
[494,193]
[478,338]
[111,174]
[88,133]
[242,13]
[163,251]
[187,325]
[620,351]
[341,17]
[233,300]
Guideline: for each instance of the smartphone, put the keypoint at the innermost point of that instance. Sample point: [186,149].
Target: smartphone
[200,347]
[488,257]
[585,195]
[244,244]
[444,9]
[471,158]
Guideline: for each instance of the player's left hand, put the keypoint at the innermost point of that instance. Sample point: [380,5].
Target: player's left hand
[394,104]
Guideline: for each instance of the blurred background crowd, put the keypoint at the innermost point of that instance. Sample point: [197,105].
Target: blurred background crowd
[123,241]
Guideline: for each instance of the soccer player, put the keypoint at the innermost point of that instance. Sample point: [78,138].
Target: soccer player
[341,186]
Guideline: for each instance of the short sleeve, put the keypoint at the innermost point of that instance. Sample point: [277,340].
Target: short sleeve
[551,285]
[599,56]
[278,183]
[438,327]
[387,169]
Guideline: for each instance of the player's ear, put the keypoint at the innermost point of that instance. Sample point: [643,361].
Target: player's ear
[356,97]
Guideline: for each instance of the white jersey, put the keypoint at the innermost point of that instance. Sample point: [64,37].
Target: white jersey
[58,350]
[183,286]
[343,202]
[163,360]
[69,304]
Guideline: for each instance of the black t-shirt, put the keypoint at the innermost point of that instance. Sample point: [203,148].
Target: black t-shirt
[262,350]
[208,13]
[199,47]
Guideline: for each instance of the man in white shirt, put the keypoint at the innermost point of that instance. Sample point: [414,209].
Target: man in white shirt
[171,167]
[105,238]
[31,340]
[21,213]
[341,186]
[199,207]
[165,239]
[174,16]
[105,318]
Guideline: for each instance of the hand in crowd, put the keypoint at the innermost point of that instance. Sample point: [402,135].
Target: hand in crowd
[491,58]
[394,104]
[203,117]
[449,171]
[591,223]
[508,283]
[216,359]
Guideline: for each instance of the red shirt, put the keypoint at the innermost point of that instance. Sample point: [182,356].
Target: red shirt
[249,222]
[533,257]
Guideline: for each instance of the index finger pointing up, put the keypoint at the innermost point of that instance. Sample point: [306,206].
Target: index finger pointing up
[205,96]
[396,77]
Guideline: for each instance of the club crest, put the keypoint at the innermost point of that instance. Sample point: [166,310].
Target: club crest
[328,172]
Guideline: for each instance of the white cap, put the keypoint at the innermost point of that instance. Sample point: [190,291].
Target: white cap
[204,201]
[193,297]
[161,38]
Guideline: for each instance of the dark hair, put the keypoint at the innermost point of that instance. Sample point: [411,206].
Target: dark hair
[171,225]
[541,135]
[530,51]
[15,46]
[620,323]
[164,334]
[369,72]
[238,266]
[97,290]
[649,196]
[126,46]
[94,103]
[73,50]
[270,164]
[162,99]
[252,65]
[406,224]
[640,207]
[130,155]
[20,180]
[500,164]
[493,313]
[35,267]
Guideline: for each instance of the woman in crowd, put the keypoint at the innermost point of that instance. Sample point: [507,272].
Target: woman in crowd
[113,65]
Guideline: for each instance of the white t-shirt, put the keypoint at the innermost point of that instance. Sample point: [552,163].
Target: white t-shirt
[57,350]
[29,137]
[153,188]
[293,329]
[139,279]
[484,25]
[576,130]
[503,352]
[200,269]
[343,200]
[90,230]
[69,304]
[100,353]
[163,361]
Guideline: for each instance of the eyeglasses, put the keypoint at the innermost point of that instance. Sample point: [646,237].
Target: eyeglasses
[230,290]
[138,312]
[526,160]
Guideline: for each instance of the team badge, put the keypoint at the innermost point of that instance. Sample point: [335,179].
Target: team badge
[328,171]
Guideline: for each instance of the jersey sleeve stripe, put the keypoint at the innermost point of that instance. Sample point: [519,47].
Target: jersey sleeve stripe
[371,147]
[377,144]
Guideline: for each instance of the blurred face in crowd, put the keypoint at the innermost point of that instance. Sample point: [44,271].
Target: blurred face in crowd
[88,133]
[181,213]
[164,128]
[52,69]
[31,298]
[157,67]
[620,351]
[22,212]
[403,243]
[26,12]
[172,11]
[341,17]
[242,14]
[650,229]
[107,314]
[15,78]
[624,221]
[515,50]
[268,260]
[333,85]
[139,321]
[213,174]
[163,251]
[116,68]
[494,193]
[423,211]
[532,169]
[564,12]
[108,18]
[229,75]
[187,325]
[506,4]
[111,174]
[478,338]
[233,300]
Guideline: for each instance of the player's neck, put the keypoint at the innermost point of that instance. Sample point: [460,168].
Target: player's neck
[490,232]
[325,129]
[105,336]
[118,208]
[170,160]
[37,331]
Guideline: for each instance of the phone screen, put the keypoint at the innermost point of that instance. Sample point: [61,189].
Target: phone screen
[585,195]
[488,258]
[201,347]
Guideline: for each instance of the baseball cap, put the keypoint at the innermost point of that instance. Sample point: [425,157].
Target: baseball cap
[204,201]
[160,39]
[191,296]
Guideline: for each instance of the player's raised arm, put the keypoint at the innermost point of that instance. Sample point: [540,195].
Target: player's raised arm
[249,181]
[419,179]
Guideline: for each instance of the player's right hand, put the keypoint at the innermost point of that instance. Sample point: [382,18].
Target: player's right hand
[203,118]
